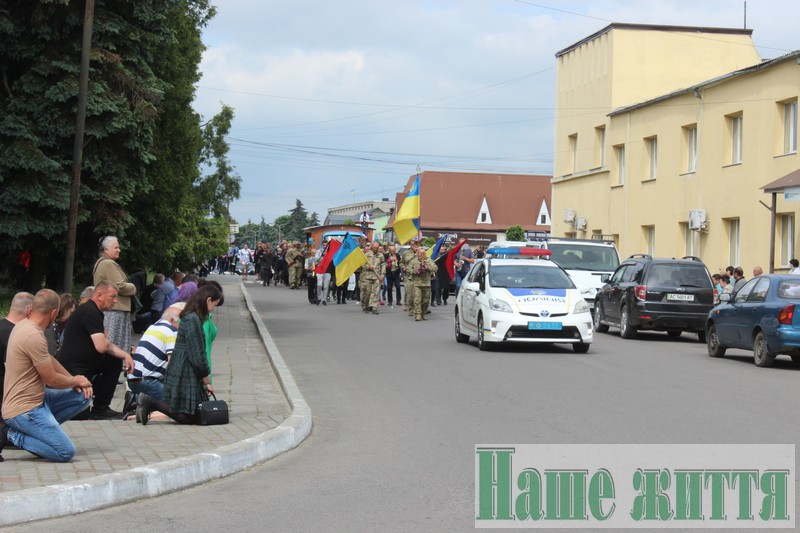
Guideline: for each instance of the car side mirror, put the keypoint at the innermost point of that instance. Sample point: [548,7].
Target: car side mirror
[472,286]
[605,277]
[725,297]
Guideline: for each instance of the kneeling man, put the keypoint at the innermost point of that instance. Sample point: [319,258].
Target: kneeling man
[39,393]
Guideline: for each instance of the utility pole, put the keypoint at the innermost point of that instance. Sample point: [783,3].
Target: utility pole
[77,150]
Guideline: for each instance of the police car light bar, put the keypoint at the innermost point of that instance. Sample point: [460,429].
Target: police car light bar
[519,252]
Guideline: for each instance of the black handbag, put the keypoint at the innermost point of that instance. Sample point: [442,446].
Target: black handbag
[212,412]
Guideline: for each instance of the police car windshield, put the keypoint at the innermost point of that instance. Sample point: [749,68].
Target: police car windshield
[528,277]
[576,256]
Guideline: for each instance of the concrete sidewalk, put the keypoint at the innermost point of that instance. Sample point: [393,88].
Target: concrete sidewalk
[119,461]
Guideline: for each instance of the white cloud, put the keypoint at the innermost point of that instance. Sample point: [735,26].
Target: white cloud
[325,57]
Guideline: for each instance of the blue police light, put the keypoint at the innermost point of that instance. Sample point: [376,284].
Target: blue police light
[519,253]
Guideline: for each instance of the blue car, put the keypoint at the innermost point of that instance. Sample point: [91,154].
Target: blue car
[763,316]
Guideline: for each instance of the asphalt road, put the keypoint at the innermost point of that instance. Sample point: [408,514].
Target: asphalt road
[399,407]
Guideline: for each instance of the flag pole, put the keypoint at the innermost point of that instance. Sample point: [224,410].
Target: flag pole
[419,230]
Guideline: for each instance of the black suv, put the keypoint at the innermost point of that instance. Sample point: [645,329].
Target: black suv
[672,295]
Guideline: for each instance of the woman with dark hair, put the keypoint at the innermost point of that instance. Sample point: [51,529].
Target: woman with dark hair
[187,382]
[209,328]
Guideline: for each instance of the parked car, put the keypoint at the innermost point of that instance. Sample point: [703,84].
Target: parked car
[646,293]
[521,299]
[761,317]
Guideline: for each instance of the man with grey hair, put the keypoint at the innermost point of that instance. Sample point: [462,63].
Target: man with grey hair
[40,394]
[19,311]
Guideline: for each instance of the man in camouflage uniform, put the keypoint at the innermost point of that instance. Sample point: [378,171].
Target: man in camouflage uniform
[372,274]
[408,255]
[421,269]
[294,260]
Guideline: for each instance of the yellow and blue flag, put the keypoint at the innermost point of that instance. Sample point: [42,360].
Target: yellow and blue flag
[348,259]
[406,223]
[434,251]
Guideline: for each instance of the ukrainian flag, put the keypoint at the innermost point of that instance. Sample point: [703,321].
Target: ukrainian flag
[434,251]
[348,259]
[406,223]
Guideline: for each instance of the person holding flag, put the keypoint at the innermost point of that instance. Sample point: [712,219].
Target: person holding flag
[421,268]
[347,259]
[372,278]
[405,259]
[324,269]
[434,253]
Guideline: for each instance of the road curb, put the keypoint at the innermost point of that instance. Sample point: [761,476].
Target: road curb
[168,476]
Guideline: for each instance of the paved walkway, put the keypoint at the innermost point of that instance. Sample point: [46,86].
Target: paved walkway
[119,461]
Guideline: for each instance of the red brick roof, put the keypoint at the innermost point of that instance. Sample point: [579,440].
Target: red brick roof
[453,200]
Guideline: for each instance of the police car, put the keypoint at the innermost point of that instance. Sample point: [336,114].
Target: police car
[513,295]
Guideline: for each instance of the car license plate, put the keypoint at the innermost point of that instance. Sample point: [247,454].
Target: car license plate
[545,325]
[681,297]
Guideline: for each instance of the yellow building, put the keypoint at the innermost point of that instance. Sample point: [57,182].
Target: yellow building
[665,137]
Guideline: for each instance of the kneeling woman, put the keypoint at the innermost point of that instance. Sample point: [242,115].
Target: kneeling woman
[187,381]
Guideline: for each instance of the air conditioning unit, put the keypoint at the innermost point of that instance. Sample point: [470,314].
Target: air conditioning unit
[580,223]
[697,220]
[569,215]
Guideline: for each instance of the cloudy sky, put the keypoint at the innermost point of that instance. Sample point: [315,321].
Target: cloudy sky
[341,101]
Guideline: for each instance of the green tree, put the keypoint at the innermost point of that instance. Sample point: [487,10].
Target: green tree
[142,139]
[169,213]
[298,219]
[515,233]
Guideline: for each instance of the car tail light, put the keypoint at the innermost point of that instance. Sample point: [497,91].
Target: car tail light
[640,292]
[786,315]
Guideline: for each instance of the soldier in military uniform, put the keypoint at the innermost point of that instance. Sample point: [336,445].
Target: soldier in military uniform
[372,274]
[294,260]
[408,255]
[421,268]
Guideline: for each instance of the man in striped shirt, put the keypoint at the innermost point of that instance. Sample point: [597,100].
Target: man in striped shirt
[152,354]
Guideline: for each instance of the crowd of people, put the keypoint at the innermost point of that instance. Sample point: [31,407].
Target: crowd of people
[61,359]
[377,283]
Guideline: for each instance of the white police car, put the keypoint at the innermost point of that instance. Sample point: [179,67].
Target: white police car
[514,296]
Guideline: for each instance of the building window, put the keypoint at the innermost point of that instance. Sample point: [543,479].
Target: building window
[619,159]
[542,220]
[790,127]
[787,238]
[483,217]
[600,146]
[690,138]
[733,241]
[573,152]
[650,239]
[651,145]
[735,131]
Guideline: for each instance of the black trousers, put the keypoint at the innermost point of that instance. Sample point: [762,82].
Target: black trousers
[311,281]
[105,382]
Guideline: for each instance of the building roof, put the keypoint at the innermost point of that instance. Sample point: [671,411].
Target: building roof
[791,179]
[453,200]
[709,83]
[653,27]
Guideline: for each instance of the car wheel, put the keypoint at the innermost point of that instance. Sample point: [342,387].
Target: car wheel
[580,347]
[714,347]
[599,327]
[482,344]
[674,333]
[460,337]
[626,331]
[761,351]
